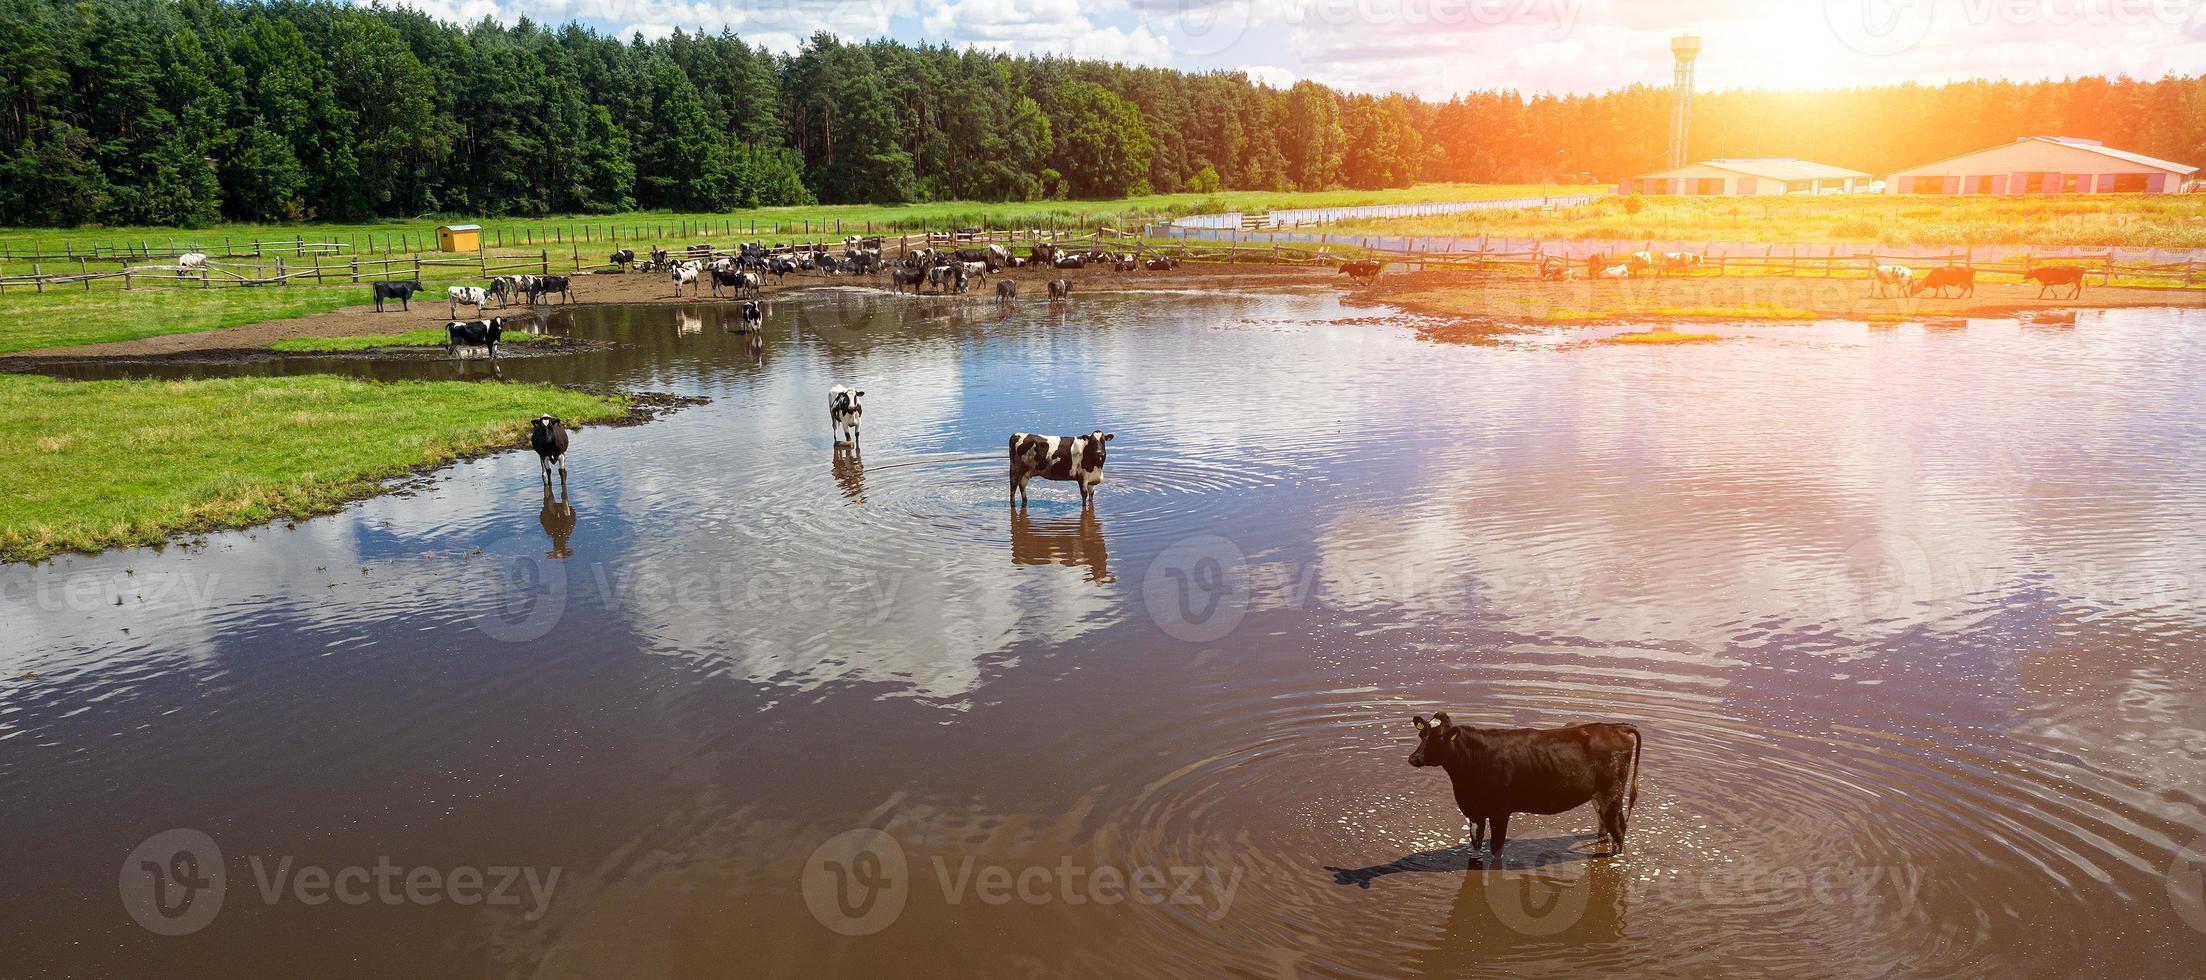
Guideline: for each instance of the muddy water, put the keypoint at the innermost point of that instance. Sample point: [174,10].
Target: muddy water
[1912,620]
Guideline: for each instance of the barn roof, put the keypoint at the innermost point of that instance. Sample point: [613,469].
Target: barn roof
[1768,168]
[2074,143]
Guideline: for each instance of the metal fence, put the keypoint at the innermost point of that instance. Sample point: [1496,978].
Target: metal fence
[1294,217]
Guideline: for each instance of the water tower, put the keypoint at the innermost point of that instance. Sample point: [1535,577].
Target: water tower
[1687,48]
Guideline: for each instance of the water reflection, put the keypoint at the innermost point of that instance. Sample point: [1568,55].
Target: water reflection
[557,517]
[1061,541]
[850,471]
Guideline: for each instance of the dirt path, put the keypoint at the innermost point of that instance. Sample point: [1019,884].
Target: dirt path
[1477,302]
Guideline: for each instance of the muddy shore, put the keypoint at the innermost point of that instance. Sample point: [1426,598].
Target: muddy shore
[1463,301]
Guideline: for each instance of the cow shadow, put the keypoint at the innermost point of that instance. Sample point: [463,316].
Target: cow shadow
[1061,541]
[558,518]
[1521,853]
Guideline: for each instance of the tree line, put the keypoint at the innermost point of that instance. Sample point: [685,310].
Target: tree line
[184,112]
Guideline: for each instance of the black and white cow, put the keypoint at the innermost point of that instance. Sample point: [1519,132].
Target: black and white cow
[1060,289]
[754,316]
[845,411]
[1078,459]
[403,292]
[900,278]
[474,333]
[622,257]
[548,436]
[459,296]
[685,274]
[543,286]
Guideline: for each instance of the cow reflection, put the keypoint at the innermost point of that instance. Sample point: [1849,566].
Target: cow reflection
[1546,894]
[557,516]
[688,323]
[850,471]
[1061,541]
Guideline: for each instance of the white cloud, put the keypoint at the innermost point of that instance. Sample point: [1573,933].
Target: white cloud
[1271,75]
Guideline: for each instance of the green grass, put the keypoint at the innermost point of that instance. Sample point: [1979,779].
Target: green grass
[2138,220]
[369,238]
[430,337]
[1662,337]
[91,465]
[70,317]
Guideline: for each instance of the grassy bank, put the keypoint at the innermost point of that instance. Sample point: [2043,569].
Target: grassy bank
[371,237]
[86,466]
[2136,220]
[69,317]
[431,337]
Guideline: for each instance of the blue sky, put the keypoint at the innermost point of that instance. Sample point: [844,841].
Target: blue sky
[1439,47]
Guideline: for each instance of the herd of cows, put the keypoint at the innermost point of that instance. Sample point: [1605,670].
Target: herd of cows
[1885,280]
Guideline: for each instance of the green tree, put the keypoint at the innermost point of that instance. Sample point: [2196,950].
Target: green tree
[1102,147]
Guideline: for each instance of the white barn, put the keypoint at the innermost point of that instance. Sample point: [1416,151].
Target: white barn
[2043,165]
[1757,176]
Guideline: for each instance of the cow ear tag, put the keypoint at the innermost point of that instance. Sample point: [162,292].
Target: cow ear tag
[1420,722]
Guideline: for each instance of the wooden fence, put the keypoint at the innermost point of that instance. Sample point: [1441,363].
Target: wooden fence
[275,270]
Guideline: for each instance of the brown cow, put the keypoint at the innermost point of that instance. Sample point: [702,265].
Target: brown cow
[1500,771]
[2057,275]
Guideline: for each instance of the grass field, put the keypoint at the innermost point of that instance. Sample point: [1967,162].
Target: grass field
[431,337]
[69,317]
[2139,220]
[103,464]
[832,220]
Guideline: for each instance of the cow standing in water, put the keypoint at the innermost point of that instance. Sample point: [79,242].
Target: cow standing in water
[844,412]
[1499,771]
[1077,459]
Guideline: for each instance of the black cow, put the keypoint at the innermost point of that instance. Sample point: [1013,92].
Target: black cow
[731,278]
[2057,275]
[1006,291]
[1362,269]
[621,258]
[1162,263]
[1060,289]
[474,333]
[658,258]
[1500,771]
[543,286]
[403,292]
[548,436]
[1077,459]
[899,278]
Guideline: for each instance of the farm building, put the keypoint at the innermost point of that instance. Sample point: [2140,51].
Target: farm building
[459,238]
[2043,165]
[1766,175]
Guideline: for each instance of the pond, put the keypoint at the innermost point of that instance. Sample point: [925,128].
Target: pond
[1911,620]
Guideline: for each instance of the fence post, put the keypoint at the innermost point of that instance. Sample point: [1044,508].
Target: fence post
[356,267]
[543,259]
[38,277]
[84,274]
[280,278]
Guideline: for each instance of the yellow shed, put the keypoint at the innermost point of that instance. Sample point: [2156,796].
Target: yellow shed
[460,238]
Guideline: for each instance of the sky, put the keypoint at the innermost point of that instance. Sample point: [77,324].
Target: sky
[1436,48]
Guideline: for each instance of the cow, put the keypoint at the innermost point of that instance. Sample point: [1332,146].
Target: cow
[548,436]
[844,411]
[998,256]
[505,288]
[1952,276]
[474,296]
[1684,262]
[1162,263]
[474,333]
[1363,270]
[730,278]
[899,278]
[658,258]
[1620,271]
[543,286]
[1070,262]
[1640,262]
[1078,459]
[1060,289]
[622,257]
[1497,772]
[1006,291]
[1889,280]
[1554,268]
[684,274]
[191,260]
[754,316]
[973,270]
[2057,275]
[1043,252]
[403,292]
[1126,263]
